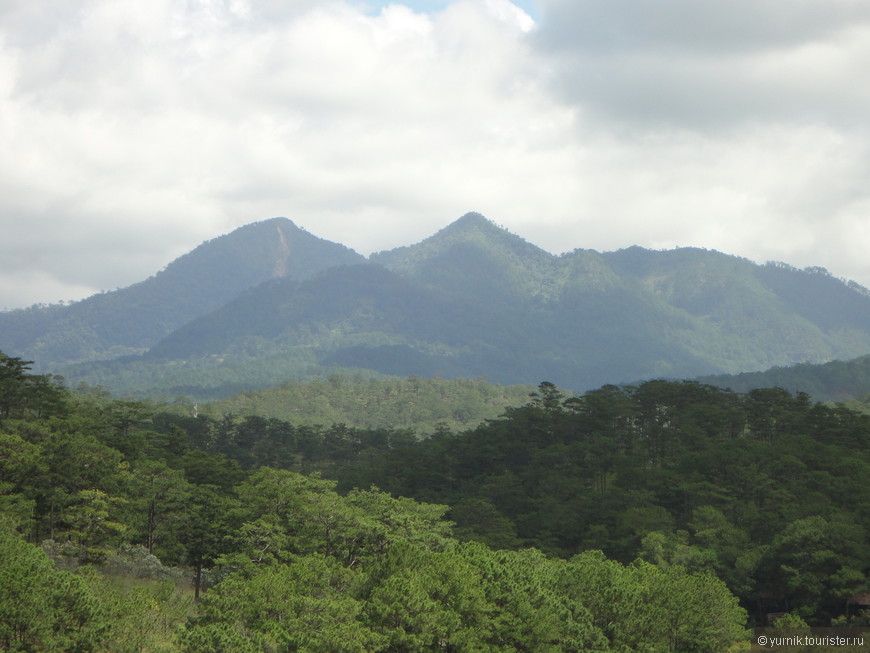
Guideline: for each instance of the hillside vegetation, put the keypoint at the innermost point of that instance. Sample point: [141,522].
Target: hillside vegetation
[132,319]
[95,490]
[843,381]
[271,303]
[421,405]
[765,490]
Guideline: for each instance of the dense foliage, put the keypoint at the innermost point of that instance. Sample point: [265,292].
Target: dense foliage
[840,381]
[423,405]
[125,502]
[621,520]
[766,490]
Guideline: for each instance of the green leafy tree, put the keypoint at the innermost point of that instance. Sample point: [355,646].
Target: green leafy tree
[532,613]
[20,464]
[209,519]
[75,462]
[307,605]
[477,519]
[43,608]
[92,526]
[813,566]
[423,601]
[289,513]
[23,394]
[13,383]
[644,607]
[158,495]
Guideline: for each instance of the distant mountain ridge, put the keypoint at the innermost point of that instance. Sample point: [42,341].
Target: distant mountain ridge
[838,381]
[132,319]
[274,302]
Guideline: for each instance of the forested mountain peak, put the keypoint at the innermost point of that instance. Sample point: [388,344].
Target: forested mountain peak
[472,218]
[131,319]
[469,223]
[473,221]
[474,257]
[471,232]
[263,250]
[270,302]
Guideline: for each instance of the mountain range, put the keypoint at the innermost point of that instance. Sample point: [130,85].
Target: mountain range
[270,302]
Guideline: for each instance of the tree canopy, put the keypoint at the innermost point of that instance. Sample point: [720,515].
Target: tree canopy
[667,516]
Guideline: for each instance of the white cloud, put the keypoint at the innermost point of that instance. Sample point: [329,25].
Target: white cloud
[20,290]
[702,64]
[689,26]
[132,131]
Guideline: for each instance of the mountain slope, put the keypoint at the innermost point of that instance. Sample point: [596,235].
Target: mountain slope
[421,404]
[132,319]
[472,300]
[347,302]
[749,316]
[837,380]
[500,264]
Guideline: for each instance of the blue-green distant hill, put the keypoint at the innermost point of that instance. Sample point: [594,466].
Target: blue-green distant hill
[838,381]
[132,319]
[473,300]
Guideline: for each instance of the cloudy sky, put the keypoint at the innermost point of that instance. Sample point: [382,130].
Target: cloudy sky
[132,131]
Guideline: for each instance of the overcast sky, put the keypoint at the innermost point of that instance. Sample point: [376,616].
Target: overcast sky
[131,131]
